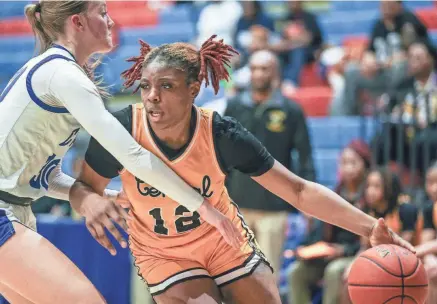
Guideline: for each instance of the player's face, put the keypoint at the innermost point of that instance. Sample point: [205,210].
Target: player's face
[166,95]
[351,166]
[431,184]
[375,189]
[98,26]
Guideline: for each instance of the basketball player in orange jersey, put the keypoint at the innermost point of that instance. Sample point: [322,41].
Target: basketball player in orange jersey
[183,259]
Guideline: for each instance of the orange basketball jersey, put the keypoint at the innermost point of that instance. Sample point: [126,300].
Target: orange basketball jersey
[160,222]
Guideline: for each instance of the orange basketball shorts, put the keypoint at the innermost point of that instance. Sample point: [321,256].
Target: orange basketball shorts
[207,257]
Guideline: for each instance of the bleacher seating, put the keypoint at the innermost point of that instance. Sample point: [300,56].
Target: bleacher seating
[12,9]
[314,100]
[344,23]
[329,135]
[343,20]
[428,17]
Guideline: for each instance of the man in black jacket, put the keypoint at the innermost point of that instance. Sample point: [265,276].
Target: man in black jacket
[281,126]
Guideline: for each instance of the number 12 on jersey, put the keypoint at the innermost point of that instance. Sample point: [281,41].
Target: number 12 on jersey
[182,223]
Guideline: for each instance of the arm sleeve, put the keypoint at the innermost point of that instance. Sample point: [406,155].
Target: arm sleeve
[98,158]
[238,149]
[408,215]
[59,184]
[79,95]
[428,222]
[302,144]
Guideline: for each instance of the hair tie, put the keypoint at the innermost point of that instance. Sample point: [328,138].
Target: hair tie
[38,7]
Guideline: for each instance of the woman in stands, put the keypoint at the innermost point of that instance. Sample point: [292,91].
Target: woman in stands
[383,198]
[428,249]
[41,112]
[182,259]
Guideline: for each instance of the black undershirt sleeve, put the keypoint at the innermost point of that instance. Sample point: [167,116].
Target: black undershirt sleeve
[408,215]
[428,221]
[98,158]
[237,148]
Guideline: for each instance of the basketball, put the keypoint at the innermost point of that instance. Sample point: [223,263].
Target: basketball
[387,274]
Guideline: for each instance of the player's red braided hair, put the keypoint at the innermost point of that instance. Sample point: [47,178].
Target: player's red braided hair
[134,73]
[209,62]
[214,55]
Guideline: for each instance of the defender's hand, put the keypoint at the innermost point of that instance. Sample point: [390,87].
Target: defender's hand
[224,225]
[100,214]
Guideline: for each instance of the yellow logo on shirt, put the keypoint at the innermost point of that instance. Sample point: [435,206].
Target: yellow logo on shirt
[276,121]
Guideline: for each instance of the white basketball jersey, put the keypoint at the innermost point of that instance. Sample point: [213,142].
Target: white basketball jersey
[35,129]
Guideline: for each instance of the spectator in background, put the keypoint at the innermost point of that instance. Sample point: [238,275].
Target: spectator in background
[396,29]
[260,37]
[219,18]
[424,251]
[384,198]
[384,63]
[301,40]
[281,126]
[354,163]
[252,16]
[413,107]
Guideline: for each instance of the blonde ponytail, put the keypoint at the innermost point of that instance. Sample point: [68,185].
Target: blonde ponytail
[47,19]
[33,15]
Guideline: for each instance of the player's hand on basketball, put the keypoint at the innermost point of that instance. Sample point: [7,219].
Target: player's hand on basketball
[102,214]
[381,234]
[223,224]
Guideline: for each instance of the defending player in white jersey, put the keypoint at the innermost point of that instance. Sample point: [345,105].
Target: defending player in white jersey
[41,111]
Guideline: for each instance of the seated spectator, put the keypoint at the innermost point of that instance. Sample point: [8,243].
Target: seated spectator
[428,249]
[252,16]
[219,18]
[354,162]
[383,198]
[413,105]
[384,62]
[301,39]
[259,41]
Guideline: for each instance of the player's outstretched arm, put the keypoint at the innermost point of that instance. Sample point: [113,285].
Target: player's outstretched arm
[427,248]
[322,203]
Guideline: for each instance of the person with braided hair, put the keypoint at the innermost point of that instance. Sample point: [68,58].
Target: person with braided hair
[42,109]
[181,258]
